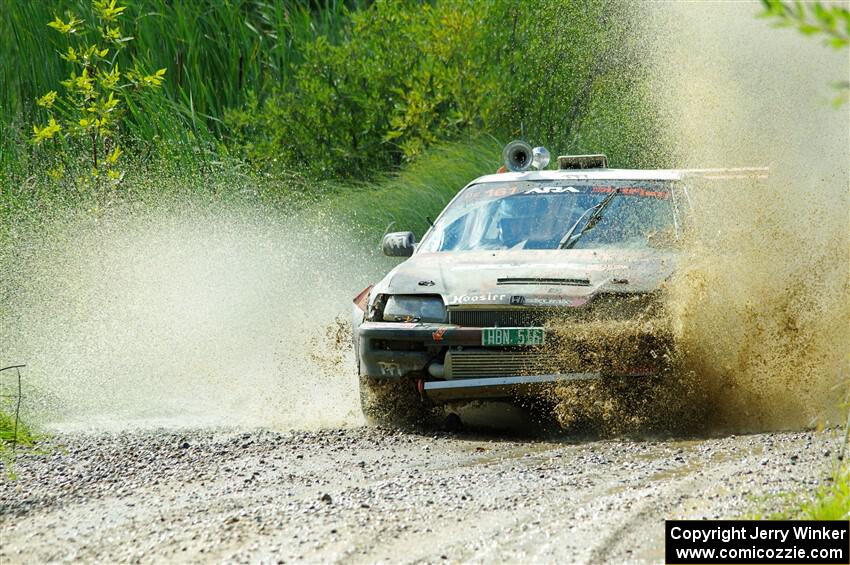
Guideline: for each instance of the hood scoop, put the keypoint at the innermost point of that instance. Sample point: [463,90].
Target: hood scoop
[547,281]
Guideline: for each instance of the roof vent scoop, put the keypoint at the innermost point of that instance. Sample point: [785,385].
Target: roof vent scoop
[543,281]
[598,161]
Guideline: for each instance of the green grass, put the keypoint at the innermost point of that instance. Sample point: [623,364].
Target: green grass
[217,56]
[215,52]
[394,202]
[830,502]
[404,201]
[353,84]
[13,437]
[25,435]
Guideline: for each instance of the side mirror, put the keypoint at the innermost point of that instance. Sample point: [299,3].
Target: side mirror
[398,244]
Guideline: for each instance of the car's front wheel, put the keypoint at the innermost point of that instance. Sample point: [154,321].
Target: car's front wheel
[391,402]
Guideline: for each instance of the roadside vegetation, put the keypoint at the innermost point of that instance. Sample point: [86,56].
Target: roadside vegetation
[12,435]
[832,502]
[106,103]
[376,111]
[12,432]
[326,89]
[829,502]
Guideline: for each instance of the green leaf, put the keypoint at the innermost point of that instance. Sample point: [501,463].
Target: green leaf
[66,28]
[47,100]
[809,29]
[107,10]
[47,132]
[112,158]
[839,42]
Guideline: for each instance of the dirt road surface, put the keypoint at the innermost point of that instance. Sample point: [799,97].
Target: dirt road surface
[371,495]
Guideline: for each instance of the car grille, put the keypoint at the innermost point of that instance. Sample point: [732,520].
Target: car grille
[471,364]
[499,318]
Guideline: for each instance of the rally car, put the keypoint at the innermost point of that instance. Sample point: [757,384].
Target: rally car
[528,278]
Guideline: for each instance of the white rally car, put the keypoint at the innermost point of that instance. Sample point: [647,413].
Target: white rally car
[474,312]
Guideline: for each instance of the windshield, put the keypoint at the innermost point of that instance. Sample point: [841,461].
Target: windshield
[538,214]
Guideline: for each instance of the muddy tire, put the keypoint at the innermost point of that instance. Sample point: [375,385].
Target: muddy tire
[392,403]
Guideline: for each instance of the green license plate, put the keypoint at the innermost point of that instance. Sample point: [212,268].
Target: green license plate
[491,337]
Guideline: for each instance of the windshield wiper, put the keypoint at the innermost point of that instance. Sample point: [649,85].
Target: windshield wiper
[595,211]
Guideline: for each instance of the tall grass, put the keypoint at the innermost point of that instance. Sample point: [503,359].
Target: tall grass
[217,55]
[393,202]
[833,502]
[12,435]
[219,52]
[408,75]
[829,502]
[215,52]
[12,432]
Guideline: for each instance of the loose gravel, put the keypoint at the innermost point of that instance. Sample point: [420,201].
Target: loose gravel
[374,495]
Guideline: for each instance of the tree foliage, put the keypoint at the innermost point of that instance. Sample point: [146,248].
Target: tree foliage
[407,75]
[831,21]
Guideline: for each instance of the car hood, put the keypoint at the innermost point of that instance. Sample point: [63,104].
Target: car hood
[544,277]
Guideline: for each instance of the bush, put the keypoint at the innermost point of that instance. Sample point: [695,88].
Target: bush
[90,110]
[408,75]
[402,79]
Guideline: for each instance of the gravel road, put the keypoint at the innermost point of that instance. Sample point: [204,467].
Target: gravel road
[372,495]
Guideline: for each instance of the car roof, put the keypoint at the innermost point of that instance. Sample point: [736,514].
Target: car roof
[584,174]
[626,174]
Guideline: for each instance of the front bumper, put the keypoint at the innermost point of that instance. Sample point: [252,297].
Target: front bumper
[496,387]
[449,362]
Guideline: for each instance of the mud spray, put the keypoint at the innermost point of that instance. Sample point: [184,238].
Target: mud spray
[221,315]
[760,305]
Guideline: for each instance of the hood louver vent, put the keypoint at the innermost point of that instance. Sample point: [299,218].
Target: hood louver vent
[531,280]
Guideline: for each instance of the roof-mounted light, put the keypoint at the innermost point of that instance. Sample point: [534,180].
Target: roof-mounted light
[519,156]
[540,158]
[598,161]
